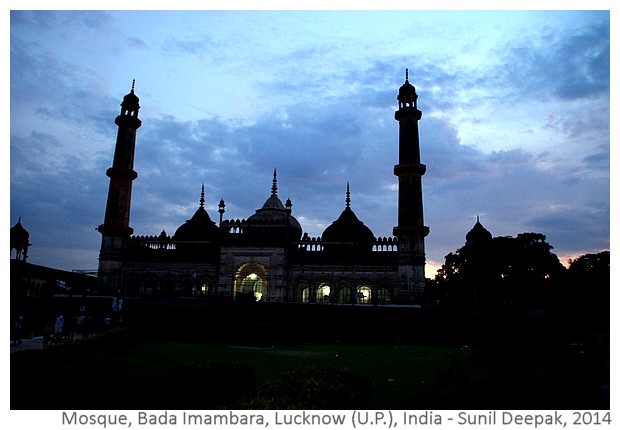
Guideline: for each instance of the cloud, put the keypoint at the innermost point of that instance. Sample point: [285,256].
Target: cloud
[568,65]
[521,139]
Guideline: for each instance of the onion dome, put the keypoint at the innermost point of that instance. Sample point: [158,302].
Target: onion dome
[407,97]
[19,236]
[199,228]
[275,216]
[406,88]
[131,102]
[20,240]
[347,229]
[478,233]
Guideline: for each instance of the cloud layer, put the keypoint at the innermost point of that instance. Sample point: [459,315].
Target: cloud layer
[515,124]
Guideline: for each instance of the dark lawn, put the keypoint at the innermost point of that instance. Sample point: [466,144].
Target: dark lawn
[120,371]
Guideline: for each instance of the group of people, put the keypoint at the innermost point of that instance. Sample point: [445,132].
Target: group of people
[61,332]
[16,331]
[63,329]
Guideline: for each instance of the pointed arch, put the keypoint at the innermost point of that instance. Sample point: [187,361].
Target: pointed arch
[251,279]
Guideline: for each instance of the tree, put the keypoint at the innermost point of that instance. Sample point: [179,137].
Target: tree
[502,272]
[588,285]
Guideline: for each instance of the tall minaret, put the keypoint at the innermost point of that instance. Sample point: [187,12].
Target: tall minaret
[411,230]
[115,230]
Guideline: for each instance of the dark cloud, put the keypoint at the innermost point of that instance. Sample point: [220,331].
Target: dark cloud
[570,64]
[59,20]
[56,90]
[136,42]
[575,228]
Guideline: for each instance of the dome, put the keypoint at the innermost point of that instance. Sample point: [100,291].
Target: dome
[274,216]
[347,228]
[19,235]
[131,99]
[406,88]
[478,233]
[198,228]
[131,102]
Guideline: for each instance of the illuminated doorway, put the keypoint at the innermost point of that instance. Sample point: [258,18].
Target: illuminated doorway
[322,293]
[251,280]
[364,294]
[302,292]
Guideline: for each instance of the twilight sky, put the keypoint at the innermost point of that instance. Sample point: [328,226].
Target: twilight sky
[515,125]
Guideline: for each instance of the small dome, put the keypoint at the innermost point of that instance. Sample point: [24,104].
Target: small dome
[478,233]
[347,228]
[131,102]
[406,88]
[198,228]
[19,235]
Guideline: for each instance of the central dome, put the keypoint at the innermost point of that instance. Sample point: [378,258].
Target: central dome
[274,219]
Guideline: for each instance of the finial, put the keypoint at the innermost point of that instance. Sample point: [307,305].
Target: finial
[406,75]
[133,84]
[348,199]
[477,218]
[274,187]
[202,196]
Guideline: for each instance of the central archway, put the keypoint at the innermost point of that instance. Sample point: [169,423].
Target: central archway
[251,280]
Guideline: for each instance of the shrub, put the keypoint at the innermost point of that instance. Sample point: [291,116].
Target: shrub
[313,387]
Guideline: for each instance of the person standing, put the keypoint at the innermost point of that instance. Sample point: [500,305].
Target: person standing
[16,335]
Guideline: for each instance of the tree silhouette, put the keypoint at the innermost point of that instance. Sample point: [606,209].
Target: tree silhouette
[501,272]
[588,286]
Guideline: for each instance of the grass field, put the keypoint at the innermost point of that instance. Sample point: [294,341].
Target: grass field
[401,377]
[119,371]
[198,355]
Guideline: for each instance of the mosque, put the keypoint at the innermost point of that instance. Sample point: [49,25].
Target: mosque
[268,256]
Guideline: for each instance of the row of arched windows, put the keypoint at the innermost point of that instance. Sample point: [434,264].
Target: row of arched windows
[254,284]
[325,292]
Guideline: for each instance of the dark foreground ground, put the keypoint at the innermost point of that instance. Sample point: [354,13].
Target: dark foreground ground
[198,355]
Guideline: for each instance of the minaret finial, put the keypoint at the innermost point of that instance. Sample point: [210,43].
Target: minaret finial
[274,187]
[202,196]
[348,199]
[406,75]
[477,218]
[133,85]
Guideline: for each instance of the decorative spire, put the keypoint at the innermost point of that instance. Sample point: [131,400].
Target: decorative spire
[133,85]
[348,199]
[406,75]
[274,187]
[202,196]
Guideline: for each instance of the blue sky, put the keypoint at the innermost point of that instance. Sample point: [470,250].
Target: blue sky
[515,126]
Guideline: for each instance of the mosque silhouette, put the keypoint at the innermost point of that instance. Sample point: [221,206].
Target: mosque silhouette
[267,257]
